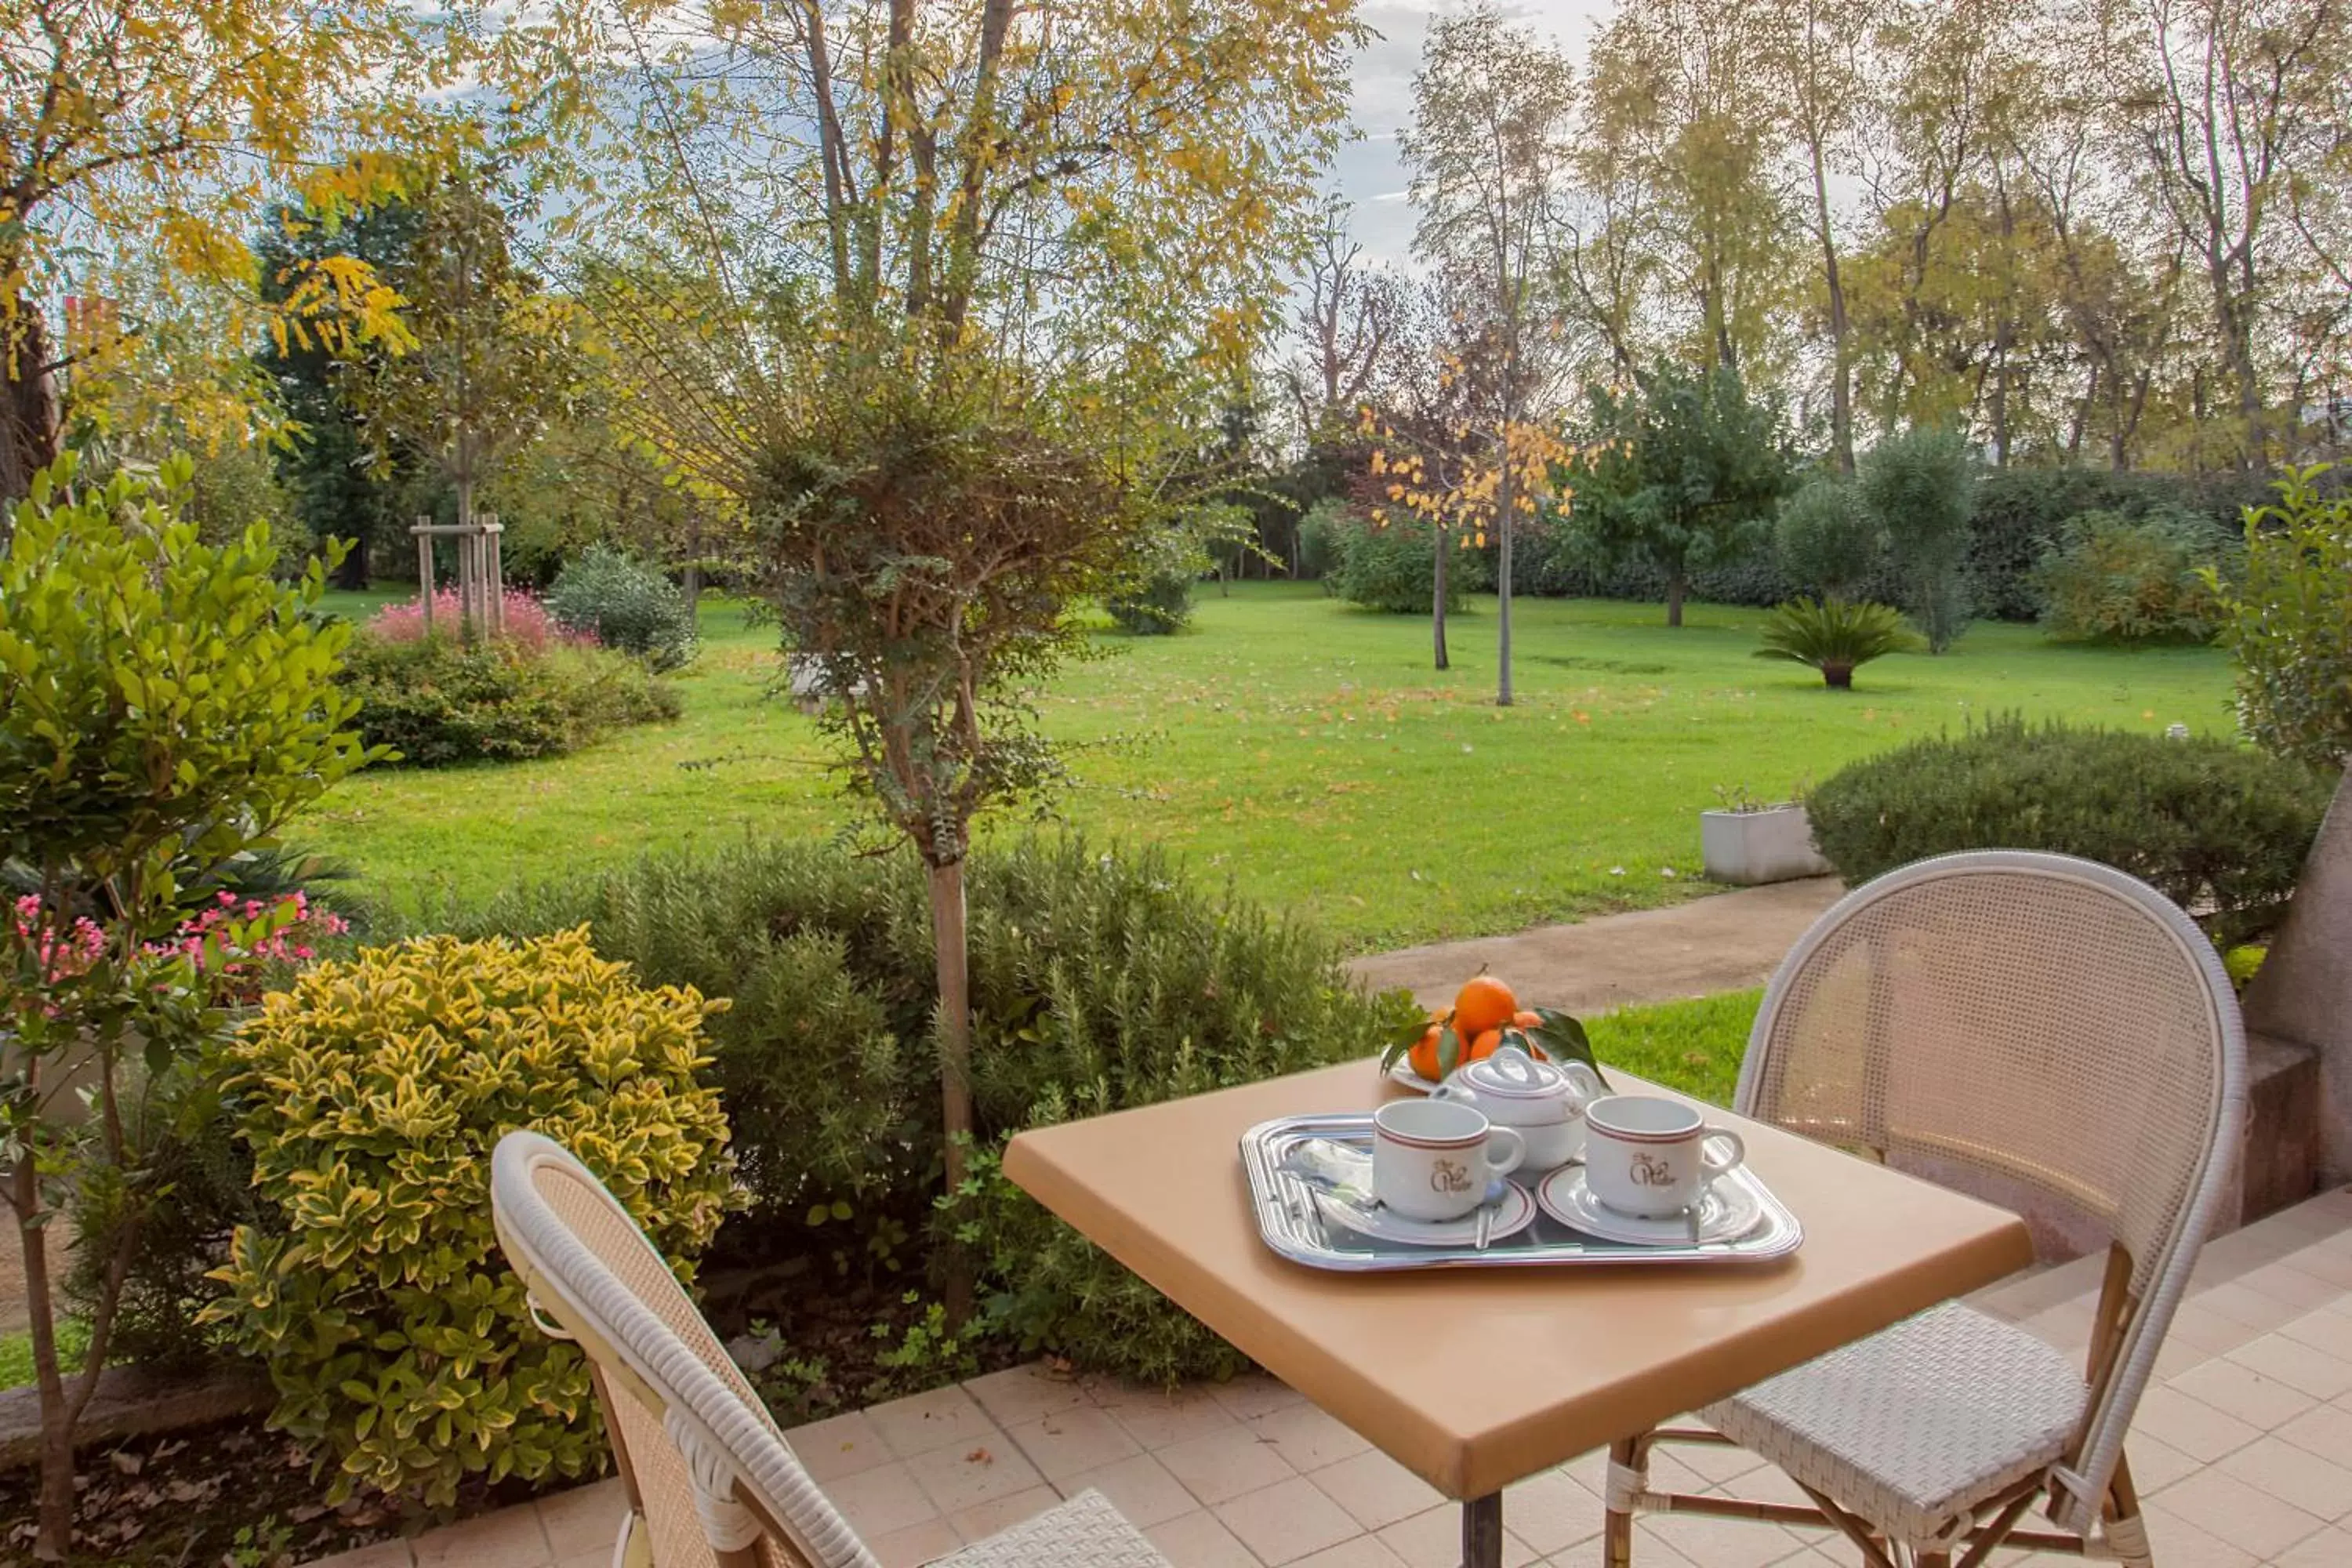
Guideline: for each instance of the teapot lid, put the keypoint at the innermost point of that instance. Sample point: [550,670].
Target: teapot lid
[1511,1074]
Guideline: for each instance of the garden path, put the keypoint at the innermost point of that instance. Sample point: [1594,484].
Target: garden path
[1727,941]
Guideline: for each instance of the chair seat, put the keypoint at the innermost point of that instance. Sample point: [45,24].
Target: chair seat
[1914,1426]
[1084,1532]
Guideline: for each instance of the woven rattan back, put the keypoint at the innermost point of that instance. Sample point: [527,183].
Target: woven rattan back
[2032,1027]
[710,1470]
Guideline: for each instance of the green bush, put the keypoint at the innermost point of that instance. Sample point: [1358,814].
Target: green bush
[2220,829]
[1391,567]
[372,1094]
[2113,578]
[2289,625]
[1098,982]
[1320,531]
[1835,636]
[1158,599]
[2018,513]
[626,605]
[437,701]
[1827,539]
[1917,485]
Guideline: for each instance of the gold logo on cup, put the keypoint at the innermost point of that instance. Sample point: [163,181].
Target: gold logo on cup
[1651,1171]
[1445,1177]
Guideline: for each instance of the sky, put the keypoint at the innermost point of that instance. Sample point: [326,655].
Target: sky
[1366,169]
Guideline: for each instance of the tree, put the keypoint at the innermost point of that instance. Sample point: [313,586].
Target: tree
[1488,149]
[1827,540]
[165,705]
[1919,485]
[1684,474]
[982,307]
[155,132]
[1346,329]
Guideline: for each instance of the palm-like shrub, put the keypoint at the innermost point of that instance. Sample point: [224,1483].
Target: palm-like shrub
[1835,636]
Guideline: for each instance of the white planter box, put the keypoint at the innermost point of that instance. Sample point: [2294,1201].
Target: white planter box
[1748,847]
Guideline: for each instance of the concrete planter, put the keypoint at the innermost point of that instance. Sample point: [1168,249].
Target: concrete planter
[1748,848]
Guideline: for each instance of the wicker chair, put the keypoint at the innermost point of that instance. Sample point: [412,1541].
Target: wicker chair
[712,1482]
[2034,1028]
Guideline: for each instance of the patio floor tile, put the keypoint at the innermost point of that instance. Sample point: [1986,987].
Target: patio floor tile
[1433,1539]
[922,1422]
[1139,1488]
[2325,1430]
[1307,1437]
[2325,1331]
[839,1446]
[2191,1426]
[2328,1549]
[2236,1389]
[1225,1463]
[1197,1540]
[1158,1418]
[916,1544]
[585,1519]
[1025,1392]
[985,1520]
[509,1538]
[1376,1490]
[1064,1443]
[959,1478]
[1551,1512]
[2318,1484]
[1254,1395]
[1725,1542]
[1287,1521]
[1649,1552]
[2244,1516]
[1363,1552]
[2297,1364]
[2180,1544]
[878,1502]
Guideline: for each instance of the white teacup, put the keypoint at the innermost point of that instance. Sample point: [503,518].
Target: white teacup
[1431,1159]
[1651,1158]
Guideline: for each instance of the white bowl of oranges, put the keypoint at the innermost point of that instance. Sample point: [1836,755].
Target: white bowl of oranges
[1486,1017]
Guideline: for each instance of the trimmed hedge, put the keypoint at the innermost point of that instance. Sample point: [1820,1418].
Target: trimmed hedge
[1098,982]
[437,702]
[2220,829]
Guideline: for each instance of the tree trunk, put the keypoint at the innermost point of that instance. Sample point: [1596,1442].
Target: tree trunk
[56,1489]
[1437,596]
[1838,676]
[1841,371]
[1677,581]
[1507,503]
[32,431]
[953,964]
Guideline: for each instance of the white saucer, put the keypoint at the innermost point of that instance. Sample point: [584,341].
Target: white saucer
[1404,1076]
[1514,1211]
[1728,1212]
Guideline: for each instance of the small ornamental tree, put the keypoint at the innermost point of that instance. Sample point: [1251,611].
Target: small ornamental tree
[1920,484]
[1685,475]
[2288,623]
[166,705]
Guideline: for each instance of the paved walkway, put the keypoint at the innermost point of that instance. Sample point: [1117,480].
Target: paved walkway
[1727,941]
[2243,1452]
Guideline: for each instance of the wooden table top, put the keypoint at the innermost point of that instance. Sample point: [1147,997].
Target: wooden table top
[1475,1378]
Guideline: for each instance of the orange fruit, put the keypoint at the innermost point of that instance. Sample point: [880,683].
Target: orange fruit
[1483,1045]
[1523,1019]
[1484,1004]
[1424,1054]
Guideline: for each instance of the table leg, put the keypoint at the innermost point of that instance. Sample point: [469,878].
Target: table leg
[1482,1532]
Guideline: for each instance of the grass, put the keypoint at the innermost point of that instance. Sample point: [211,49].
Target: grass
[1303,749]
[1693,1045]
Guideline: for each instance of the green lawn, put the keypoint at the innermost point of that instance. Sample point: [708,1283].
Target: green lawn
[1305,749]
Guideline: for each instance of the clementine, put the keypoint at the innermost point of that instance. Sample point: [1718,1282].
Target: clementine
[1486,1003]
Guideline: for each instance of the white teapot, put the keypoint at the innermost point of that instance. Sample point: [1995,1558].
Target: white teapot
[1542,1101]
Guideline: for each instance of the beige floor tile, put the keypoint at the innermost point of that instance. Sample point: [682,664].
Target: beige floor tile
[1197,1540]
[1550,1512]
[1139,1488]
[2191,1426]
[839,1446]
[2318,1484]
[1025,1392]
[2249,1306]
[2209,1332]
[583,1519]
[2329,1549]
[1717,1463]
[2297,1364]
[509,1538]
[1649,1552]
[1287,1521]
[2178,1543]
[1158,1418]
[958,1478]
[2155,1463]
[2176,1356]
[2327,1264]
[2326,1430]
[2236,1389]
[1254,1395]
[2068,1328]
[1363,1552]
[916,1544]
[2283,1281]
[1725,1542]
[382,1554]
[1064,1443]
[1433,1539]
[985,1520]
[878,1502]
[2229,1510]
[603,1559]
[2327,1333]
[943,1419]
[1376,1490]
[1307,1437]
[1224,1463]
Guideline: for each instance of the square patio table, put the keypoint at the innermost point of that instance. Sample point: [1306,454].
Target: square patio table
[1474,1378]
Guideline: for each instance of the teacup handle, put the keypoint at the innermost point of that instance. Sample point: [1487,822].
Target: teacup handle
[1713,1163]
[1515,1151]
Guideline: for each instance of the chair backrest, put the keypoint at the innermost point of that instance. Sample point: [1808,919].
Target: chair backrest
[2038,1025]
[706,1464]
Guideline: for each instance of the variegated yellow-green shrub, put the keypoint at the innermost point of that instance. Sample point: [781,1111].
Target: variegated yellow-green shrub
[372,1094]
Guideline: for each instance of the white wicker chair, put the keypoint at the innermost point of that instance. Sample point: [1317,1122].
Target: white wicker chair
[712,1482]
[2029,1025]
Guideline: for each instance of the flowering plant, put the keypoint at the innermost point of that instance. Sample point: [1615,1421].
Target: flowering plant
[524,622]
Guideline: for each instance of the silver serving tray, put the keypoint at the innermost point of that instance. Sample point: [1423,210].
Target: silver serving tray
[1293,1227]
